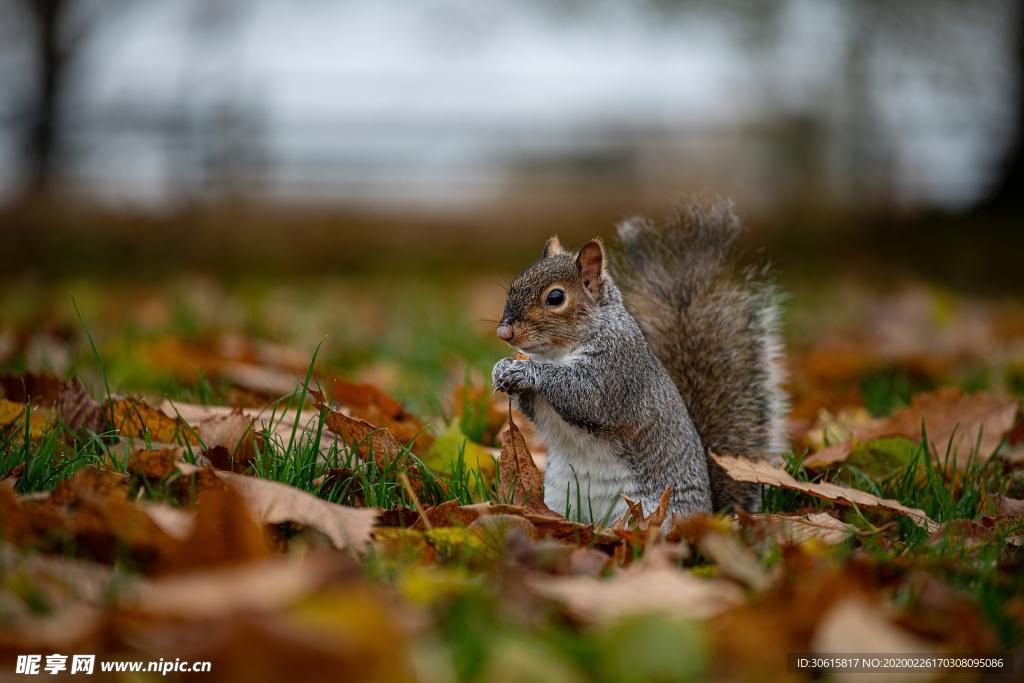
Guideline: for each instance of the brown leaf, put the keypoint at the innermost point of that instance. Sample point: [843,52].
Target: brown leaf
[91,513]
[796,529]
[231,441]
[369,442]
[953,420]
[720,545]
[154,464]
[178,523]
[93,482]
[273,503]
[761,472]
[135,418]
[634,519]
[449,513]
[223,533]
[859,624]
[26,524]
[372,404]
[13,414]
[638,589]
[222,590]
[1010,507]
[37,388]
[77,409]
[520,478]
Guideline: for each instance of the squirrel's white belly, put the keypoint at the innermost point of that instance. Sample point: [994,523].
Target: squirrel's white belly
[584,479]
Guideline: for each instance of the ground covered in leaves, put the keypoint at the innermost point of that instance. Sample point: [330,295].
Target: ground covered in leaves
[192,470]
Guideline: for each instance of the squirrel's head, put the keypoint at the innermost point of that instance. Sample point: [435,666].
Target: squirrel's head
[550,302]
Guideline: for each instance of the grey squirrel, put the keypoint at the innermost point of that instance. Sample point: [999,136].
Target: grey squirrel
[630,391]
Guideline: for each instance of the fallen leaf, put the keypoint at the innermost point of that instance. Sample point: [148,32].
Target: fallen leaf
[230,440]
[635,520]
[176,522]
[1011,507]
[223,532]
[371,443]
[13,414]
[638,590]
[859,624]
[520,479]
[93,482]
[154,465]
[796,529]
[229,589]
[954,421]
[272,502]
[77,409]
[90,513]
[37,388]
[135,418]
[372,404]
[733,559]
[761,472]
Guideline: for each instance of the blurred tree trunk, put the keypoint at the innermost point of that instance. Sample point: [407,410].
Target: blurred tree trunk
[1007,191]
[51,57]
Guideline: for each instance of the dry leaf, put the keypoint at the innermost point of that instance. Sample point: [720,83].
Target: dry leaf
[370,443]
[796,529]
[176,522]
[760,472]
[135,418]
[13,414]
[225,590]
[857,624]
[77,409]
[634,519]
[90,513]
[520,478]
[37,388]
[230,440]
[717,542]
[638,590]
[223,533]
[154,464]
[1010,507]
[273,503]
[372,404]
[953,421]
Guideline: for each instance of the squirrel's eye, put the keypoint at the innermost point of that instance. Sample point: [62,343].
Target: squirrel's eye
[556,297]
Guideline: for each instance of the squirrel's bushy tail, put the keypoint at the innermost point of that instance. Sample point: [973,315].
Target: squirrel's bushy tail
[714,329]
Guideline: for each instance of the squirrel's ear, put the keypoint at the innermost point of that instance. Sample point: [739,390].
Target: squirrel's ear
[590,262]
[552,247]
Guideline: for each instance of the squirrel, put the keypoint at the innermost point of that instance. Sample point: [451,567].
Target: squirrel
[631,388]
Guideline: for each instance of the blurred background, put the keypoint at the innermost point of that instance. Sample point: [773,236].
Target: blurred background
[193,143]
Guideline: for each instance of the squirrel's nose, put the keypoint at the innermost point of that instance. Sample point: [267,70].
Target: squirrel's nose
[505,332]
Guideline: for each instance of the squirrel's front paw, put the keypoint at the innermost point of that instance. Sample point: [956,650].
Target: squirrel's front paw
[511,376]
